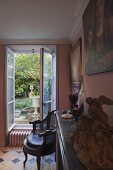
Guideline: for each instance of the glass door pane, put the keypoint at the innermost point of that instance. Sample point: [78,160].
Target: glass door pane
[47,82]
[10,88]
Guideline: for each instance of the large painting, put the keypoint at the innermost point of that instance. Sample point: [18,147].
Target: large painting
[98,36]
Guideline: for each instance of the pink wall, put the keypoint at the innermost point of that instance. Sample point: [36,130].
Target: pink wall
[2,96]
[63,69]
[100,84]
[97,84]
[62,85]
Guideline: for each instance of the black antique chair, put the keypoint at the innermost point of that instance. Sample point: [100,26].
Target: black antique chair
[42,140]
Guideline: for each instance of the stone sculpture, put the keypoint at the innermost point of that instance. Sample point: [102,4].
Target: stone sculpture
[92,139]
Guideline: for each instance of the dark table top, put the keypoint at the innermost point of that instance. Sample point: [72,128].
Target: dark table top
[66,128]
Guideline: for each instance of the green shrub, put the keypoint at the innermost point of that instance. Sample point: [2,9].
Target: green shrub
[23,103]
[27,72]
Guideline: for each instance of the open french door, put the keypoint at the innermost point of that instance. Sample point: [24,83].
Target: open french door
[10,88]
[47,82]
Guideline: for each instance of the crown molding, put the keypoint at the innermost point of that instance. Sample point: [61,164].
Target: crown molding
[78,20]
[76,29]
[79,8]
[35,42]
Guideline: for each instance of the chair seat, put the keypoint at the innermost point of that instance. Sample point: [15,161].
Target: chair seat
[34,145]
[42,140]
[34,140]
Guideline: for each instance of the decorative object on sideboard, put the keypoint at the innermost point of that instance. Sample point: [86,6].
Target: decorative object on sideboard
[77,112]
[77,104]
[81,96]
[73,98]
[92,139]
[75,87]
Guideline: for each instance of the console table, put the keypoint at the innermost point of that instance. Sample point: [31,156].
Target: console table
[65,155]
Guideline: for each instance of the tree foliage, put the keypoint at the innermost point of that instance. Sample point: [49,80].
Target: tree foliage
[27,72]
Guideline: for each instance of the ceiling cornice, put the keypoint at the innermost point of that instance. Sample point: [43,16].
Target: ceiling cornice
[37,42]
[78,20]
[76,29]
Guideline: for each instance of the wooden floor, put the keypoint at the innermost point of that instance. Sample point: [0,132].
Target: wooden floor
[12,159]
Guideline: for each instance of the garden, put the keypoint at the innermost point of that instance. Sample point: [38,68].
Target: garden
[27,74]
[27,84]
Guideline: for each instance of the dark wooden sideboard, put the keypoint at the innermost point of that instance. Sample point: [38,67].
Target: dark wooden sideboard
[65,155]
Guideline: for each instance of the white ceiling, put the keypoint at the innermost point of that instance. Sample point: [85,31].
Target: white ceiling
[40,20]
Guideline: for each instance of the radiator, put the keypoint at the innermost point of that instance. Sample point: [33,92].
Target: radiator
[16,137]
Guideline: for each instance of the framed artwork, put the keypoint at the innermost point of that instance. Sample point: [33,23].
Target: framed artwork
[76,66]
[98,36]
